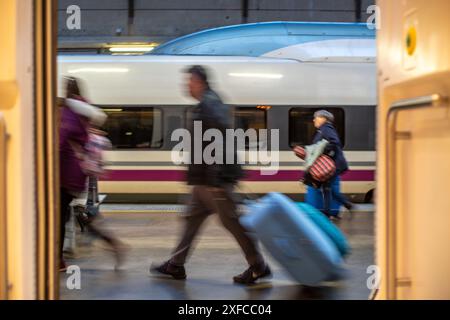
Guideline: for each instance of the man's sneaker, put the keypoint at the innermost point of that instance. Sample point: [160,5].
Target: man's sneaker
[167,268]
[251,275]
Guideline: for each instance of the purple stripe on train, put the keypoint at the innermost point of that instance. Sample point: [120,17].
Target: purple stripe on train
[251,175]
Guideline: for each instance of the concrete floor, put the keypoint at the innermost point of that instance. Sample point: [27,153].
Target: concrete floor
[216,259]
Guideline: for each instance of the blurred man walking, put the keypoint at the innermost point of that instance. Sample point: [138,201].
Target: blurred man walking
[213,186]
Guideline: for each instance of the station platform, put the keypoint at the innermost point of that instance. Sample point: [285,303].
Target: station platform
[152,234]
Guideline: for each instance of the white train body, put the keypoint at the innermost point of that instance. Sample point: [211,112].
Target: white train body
[119,83]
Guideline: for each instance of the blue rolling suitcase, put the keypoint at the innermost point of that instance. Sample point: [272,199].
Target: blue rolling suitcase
[293,239]
[333,232]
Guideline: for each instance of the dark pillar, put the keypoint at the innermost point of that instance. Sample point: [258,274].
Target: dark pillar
[244,11]
[358,8]
[130,17]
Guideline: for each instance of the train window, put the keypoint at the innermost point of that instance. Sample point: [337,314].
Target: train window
[189,116]
[361,132]
[251,118]
[301,127]
[244,118]
[134,127]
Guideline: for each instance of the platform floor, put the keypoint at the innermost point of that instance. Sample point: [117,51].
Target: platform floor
[216,259]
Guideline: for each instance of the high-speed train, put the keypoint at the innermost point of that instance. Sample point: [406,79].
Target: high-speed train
[146,99]
[413,136]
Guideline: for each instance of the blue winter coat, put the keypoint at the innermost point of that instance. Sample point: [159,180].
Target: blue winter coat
[334,149]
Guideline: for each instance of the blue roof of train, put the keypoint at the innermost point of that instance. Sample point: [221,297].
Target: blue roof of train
[256,39]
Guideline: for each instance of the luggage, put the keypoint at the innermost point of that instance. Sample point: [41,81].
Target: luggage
[319,167]
[323,169]
[311,153]
[327,227]
[293,239]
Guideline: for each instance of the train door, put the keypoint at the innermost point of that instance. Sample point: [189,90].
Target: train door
[28,179]
[3,236]
[413,205]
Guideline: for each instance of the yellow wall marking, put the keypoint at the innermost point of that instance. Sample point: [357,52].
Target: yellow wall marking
[411,41]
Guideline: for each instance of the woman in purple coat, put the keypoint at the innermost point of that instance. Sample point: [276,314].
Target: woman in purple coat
[73,136]
[77,120]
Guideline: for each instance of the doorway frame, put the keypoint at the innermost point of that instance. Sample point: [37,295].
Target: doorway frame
[46,156]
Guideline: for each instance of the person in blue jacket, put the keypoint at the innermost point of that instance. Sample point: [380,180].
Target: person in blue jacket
[323,121]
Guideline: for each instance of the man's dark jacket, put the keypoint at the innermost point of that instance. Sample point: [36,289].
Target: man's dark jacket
[213,114]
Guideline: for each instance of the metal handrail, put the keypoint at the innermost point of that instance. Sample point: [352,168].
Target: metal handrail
[391,221]
[3,220]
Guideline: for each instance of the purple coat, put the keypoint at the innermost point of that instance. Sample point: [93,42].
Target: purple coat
[73,131]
